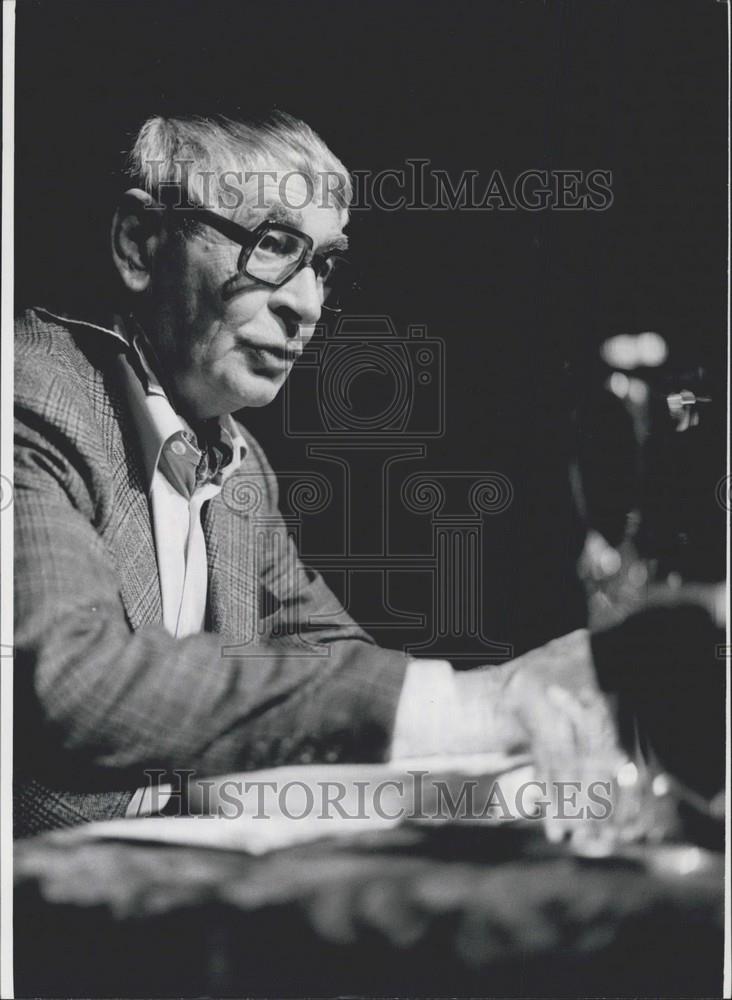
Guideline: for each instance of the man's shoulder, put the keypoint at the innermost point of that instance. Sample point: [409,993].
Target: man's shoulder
[42,333]
[57,353]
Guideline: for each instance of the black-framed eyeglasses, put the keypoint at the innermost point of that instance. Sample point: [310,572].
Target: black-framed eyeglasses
[273,252]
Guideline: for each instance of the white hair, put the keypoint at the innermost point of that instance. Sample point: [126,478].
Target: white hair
[198,157]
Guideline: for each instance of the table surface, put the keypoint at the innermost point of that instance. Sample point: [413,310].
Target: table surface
[441,911]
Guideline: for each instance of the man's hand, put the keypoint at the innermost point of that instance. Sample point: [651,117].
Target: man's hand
[546,701]
[551,701]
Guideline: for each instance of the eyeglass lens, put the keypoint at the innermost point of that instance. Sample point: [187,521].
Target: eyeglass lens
[277,255]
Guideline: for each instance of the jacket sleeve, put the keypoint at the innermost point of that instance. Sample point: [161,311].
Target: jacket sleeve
[108,697]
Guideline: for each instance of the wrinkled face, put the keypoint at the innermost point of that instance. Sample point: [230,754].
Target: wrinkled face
[225,340]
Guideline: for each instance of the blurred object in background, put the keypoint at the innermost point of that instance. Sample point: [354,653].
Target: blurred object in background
[645,481]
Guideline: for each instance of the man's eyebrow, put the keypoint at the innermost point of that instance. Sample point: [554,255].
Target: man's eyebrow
[339,242]
[279,213]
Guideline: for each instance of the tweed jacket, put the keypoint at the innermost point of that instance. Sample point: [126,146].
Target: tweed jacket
[281,674]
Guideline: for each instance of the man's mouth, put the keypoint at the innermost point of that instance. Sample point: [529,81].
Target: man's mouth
[272,355]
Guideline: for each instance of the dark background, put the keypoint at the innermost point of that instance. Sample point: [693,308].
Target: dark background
[522,300]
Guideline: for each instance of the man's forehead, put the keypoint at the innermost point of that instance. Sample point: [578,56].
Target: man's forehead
[294,199]
[294,188]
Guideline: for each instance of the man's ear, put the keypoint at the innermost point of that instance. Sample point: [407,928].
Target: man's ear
[136,234]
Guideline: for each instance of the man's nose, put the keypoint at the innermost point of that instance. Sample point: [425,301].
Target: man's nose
[301,295]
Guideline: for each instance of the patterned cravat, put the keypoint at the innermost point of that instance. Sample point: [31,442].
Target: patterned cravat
[215,453]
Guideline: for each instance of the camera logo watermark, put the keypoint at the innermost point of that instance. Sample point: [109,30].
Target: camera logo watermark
[365,400]
[409,369]
[723,493]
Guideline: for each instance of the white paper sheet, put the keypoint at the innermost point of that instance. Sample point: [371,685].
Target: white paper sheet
[260,811]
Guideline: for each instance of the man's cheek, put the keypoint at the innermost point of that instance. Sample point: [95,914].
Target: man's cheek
[219,346]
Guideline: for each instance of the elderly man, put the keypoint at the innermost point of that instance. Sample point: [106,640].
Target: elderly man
[163,619]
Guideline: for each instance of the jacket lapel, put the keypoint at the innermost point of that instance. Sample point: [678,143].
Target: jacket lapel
[130,534]
[134,549]
[232,595]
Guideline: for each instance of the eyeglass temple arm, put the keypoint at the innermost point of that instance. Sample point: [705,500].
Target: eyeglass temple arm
[232,230]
